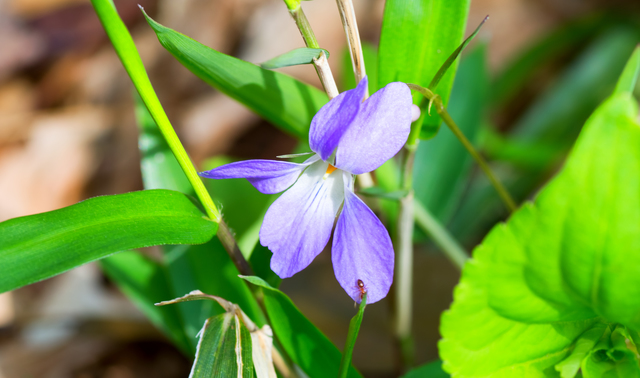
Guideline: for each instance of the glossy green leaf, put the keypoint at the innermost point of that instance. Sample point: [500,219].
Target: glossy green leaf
[312,351]
[430,370]
[560,265]
[629,77]
[303,55]
[614,357]
[417,38]
[42,245]
[279,98]
[442,164]
[146,282]
[352,336]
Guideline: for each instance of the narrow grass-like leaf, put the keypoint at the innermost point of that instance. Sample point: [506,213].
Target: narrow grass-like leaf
[452,58]
[416,39]
[629,77]
[303,55]
[279,98]
[376,191]
[352,336]
[42,245]
[312,351]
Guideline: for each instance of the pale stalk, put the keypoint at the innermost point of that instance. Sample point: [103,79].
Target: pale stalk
[321,64]
[348,16]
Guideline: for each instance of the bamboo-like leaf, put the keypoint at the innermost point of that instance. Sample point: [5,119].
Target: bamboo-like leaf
[42,245]
[629,77]
[279,98]
[352,336]
[303,55]
[304,343]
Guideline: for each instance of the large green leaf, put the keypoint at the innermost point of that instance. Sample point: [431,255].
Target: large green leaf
[442,164]
[42,245]
[279,98]
[561,265]
[417,38]
[312,351]
[430,370]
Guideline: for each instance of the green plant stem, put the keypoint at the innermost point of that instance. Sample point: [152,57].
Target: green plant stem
[440,236]
[352,335]
[128,54]
[321,64]
[436,101]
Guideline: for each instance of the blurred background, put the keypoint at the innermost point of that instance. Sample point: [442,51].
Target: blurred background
[68,132]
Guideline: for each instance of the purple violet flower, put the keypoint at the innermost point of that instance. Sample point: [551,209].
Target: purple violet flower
[349,137]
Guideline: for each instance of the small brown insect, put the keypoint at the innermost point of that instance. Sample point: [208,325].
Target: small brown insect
[363,290]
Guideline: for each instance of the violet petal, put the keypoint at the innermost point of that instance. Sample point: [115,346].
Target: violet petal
[298,225]
[268,176]
[378,132]
[362,250]
[334,118]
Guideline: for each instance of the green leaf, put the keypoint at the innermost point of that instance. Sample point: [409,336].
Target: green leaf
[442,164]
[280,99]
[629,77]
[568,368]
[558,266]
[146,282]
[352,336]
[416,39]
[613,357]
[452,58]
[430,370]
[312,351]
[303,55]
[39,246]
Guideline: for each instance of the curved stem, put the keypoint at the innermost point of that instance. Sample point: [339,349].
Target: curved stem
[435,100]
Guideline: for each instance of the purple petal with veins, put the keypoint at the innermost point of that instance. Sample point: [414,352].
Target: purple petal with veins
[298,225]
[362,250]
[333,120]
[268,176]
[378,132]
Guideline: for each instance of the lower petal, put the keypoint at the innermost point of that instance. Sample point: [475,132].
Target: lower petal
[362,251]
[268,176]
[298,225]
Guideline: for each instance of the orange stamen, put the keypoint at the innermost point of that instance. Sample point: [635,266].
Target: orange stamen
[329,171]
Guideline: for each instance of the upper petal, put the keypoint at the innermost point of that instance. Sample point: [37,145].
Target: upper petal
[334,118]
[268,176]
[378,132]
[362,250]
[298,225]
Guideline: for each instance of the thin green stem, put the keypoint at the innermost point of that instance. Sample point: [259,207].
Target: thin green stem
[436,101]
[352,335]
[128,54]
[440,236]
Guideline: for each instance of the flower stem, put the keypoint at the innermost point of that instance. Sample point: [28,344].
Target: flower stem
[130,58]
[440,236]
[435,100]
[321,64]
[348,16]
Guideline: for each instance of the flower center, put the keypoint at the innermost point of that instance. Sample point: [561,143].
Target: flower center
[329,171]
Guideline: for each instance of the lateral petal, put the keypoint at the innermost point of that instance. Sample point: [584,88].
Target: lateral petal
[333,119]
[298,225]
[378,132]
[268,176]
[362,250]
